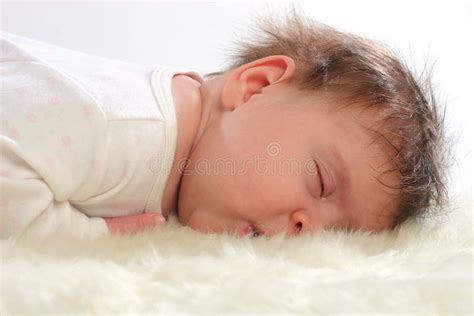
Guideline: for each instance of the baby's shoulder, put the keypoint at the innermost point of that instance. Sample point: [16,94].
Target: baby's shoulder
[186,90]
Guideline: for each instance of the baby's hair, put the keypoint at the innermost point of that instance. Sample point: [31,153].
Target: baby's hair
[361,71]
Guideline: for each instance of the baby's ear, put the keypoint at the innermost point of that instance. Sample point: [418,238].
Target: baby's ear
[251,78]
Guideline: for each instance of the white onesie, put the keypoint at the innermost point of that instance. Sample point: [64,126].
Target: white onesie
[82,137]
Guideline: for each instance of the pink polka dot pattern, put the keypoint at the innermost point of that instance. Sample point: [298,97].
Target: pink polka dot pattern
[123,175]
[52,81]
[49,161]
[15,134]
[56,102]
[3,202]
[19,90]
[4,173]
[88,110]
[95,167]
[17,225]
[32,118]
[66,141]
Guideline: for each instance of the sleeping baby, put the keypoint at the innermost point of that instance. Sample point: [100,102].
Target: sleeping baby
[309,128]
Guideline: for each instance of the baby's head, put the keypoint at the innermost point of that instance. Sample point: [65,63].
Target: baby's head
[311,128]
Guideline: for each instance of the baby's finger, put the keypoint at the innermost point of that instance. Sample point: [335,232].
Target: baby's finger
[150,220]
[135,223]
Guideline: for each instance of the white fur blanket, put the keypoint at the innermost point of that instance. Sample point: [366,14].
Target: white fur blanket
[421,269]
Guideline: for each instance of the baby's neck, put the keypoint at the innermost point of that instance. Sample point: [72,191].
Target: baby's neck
[191,116]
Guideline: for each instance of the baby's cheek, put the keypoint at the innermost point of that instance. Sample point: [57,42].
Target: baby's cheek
[205,221]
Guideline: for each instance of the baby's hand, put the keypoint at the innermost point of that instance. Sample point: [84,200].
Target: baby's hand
[134,223]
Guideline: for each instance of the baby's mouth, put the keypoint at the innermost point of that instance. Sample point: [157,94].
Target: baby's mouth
[250,229]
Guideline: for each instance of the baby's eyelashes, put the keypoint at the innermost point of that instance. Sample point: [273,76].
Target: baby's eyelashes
[321,181]
[317,185]
[324,179]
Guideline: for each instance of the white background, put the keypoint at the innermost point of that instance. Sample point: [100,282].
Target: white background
[196,35]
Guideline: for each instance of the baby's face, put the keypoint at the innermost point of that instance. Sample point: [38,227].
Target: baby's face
[287,163]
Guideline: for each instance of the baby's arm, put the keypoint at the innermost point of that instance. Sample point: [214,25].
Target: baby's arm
[27,202]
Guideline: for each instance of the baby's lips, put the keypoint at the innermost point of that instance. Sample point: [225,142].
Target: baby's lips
[249,229]
[245,230]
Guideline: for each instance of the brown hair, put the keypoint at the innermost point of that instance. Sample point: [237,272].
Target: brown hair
[358,71]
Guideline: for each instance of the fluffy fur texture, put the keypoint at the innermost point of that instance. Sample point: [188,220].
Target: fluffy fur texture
[422,269]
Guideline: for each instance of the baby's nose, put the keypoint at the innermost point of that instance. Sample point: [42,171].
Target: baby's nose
[298,227]
[300,222]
